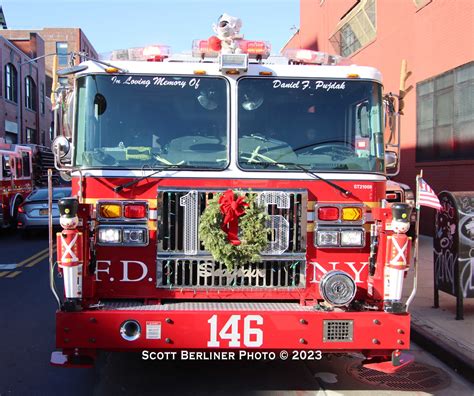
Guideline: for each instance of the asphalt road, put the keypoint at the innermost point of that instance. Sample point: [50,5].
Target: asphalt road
[27,338]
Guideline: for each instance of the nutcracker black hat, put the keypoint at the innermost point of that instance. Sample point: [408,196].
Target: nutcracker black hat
[68,207]
[401,212]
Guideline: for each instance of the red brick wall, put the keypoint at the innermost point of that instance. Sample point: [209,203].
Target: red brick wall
[19,50]
[433,39]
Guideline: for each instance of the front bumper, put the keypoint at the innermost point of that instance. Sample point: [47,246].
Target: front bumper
[266,326]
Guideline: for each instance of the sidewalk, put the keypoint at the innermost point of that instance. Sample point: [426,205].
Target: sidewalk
[437,330]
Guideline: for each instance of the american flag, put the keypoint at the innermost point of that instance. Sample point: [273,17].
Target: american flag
[426,195]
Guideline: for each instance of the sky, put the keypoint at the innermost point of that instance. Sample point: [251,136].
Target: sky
[118,24]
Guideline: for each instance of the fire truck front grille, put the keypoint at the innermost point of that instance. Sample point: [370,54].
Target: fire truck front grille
[179,212]
[207,273]
[338,330]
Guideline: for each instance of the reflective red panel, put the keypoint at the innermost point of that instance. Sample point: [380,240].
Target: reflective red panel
[328,213]
[133,211]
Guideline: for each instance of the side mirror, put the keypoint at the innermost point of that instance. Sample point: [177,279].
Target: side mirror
[7,171]
[390,121]
[62,149]
[391,160]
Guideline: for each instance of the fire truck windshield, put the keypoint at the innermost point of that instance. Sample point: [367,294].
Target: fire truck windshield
[318,124]
[134,121]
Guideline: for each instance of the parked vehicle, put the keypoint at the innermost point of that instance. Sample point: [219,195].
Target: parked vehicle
[15,180]
[33,212]
[22,168]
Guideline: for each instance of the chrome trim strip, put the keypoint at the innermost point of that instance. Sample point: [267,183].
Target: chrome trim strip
[231,174]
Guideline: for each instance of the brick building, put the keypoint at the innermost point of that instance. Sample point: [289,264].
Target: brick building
[436,39]
[59,41]
[25,109]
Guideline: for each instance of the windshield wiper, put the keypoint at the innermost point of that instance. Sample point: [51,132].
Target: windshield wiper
[346,193]
[135,181]
[165,168]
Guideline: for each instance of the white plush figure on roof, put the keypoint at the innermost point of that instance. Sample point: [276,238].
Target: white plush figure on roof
[227,31]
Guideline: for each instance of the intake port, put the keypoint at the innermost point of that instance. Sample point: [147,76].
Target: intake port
[130,330]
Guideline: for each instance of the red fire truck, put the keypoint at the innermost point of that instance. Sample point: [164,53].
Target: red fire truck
[181,168]
[15,180]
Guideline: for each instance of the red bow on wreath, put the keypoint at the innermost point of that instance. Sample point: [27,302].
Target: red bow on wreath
[232,209]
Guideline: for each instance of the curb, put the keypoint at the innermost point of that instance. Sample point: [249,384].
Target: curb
[459,362]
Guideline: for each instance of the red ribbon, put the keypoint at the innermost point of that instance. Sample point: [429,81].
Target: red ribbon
[232,209]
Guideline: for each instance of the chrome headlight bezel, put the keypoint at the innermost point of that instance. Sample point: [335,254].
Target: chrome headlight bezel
[340,231]
[124,230]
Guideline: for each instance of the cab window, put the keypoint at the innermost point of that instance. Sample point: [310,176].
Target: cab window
[25,158]
[18,167]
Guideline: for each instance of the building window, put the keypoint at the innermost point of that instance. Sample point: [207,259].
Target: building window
[445,116]
[11,88]
[11,138]
[30,136]
[61,50]
[42,99]
[356,29]
[30,93]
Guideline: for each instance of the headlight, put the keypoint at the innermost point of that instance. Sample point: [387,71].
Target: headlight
[337,288]
[327,238]
[123,235]
[341,237]
[352,238]
[110,235]
[134,235]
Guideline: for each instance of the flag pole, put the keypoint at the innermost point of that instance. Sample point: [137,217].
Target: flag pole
[417,234]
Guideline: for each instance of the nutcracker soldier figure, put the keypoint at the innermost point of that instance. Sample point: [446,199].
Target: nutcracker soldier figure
[398,256]
[70,260]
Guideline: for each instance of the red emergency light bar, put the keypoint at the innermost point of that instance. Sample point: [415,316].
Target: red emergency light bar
[151,53]
[305,56]
[156,53]
[254,49]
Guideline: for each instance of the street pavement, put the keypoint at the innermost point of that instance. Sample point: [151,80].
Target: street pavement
[27,339]
[437,328]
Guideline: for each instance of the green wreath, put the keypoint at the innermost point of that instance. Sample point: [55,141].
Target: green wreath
[253,232]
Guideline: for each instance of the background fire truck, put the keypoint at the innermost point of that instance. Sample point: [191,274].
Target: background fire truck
[174,164]
[23,167]
[16,180]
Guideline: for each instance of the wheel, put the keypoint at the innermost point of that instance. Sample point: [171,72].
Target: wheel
[14,219]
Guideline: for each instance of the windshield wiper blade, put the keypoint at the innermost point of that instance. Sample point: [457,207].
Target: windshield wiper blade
[165,168]
[135,181]
[345,192]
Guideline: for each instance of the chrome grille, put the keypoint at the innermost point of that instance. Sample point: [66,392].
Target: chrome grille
[338,330]
[172,220]
[205,272]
